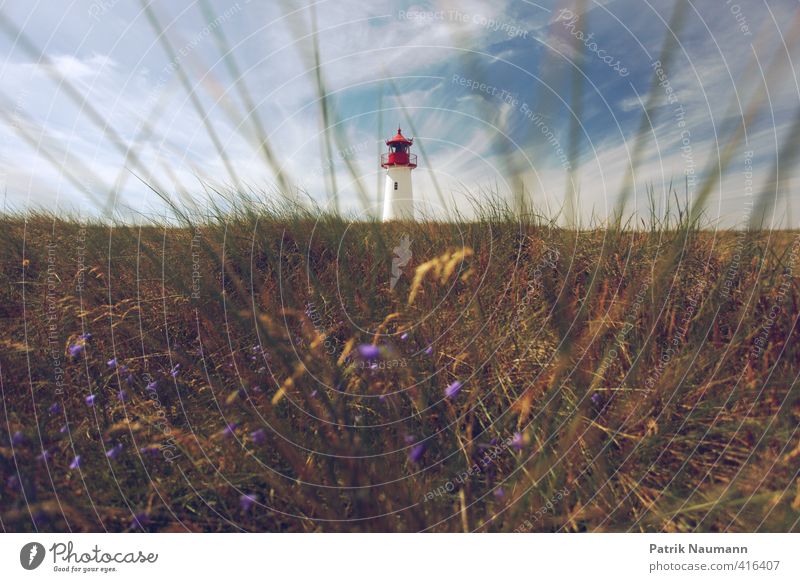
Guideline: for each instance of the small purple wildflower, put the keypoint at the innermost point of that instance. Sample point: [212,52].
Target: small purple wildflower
[405,336]
[259,436]
[114,452]
[175,370]
[90,400]
[17,439]
[44,456]
[597,399]
[409,438]
[122,396]
[112,363]
[314,393]
[516,441]
[140,520]
[150,451]
[416,452]
[152,386]
[429,350]
[246,501]
[229,430]
[369,352]
[453,389]
[76,462]
[75,350]
[499,493]
[55,408]
[129,380]
[63,429]
[86,336]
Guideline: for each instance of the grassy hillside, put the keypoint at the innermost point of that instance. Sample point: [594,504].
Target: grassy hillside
[265,373]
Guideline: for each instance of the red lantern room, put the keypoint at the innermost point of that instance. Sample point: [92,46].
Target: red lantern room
[398,154]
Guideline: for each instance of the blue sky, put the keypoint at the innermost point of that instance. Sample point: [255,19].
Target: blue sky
[492,90]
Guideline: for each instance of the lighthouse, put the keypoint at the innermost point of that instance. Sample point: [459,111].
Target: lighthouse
[398,198]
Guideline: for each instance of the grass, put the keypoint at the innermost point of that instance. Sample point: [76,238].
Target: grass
[613,379]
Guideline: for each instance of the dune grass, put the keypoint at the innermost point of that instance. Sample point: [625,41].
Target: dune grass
[609,379]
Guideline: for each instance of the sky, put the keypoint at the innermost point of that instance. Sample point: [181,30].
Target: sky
[573,108]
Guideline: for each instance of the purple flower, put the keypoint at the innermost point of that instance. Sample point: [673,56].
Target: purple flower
[516,441]
[314,393]
[112,363]
[122,396]
[63,429]
[174,371]
[45,454]
[369,352]
[229,430]
[453,389]
[129,380]
[17,439]
[246,501]
[123,369]
[152,386]
[409,438]
[597,399]
[114,452]
[140,520]
[90,400]
[259,436]
[55,408]
[499,493]
[149,450]
[416,452]
[404,336]
[429,350]
[76,462]
[86,337]
[75,350]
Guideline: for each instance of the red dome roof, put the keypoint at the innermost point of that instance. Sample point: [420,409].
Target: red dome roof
[399,138]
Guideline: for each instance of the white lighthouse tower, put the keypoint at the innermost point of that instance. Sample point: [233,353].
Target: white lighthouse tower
[398,198]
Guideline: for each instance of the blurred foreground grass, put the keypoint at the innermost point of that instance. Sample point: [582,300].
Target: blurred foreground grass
[218,375]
